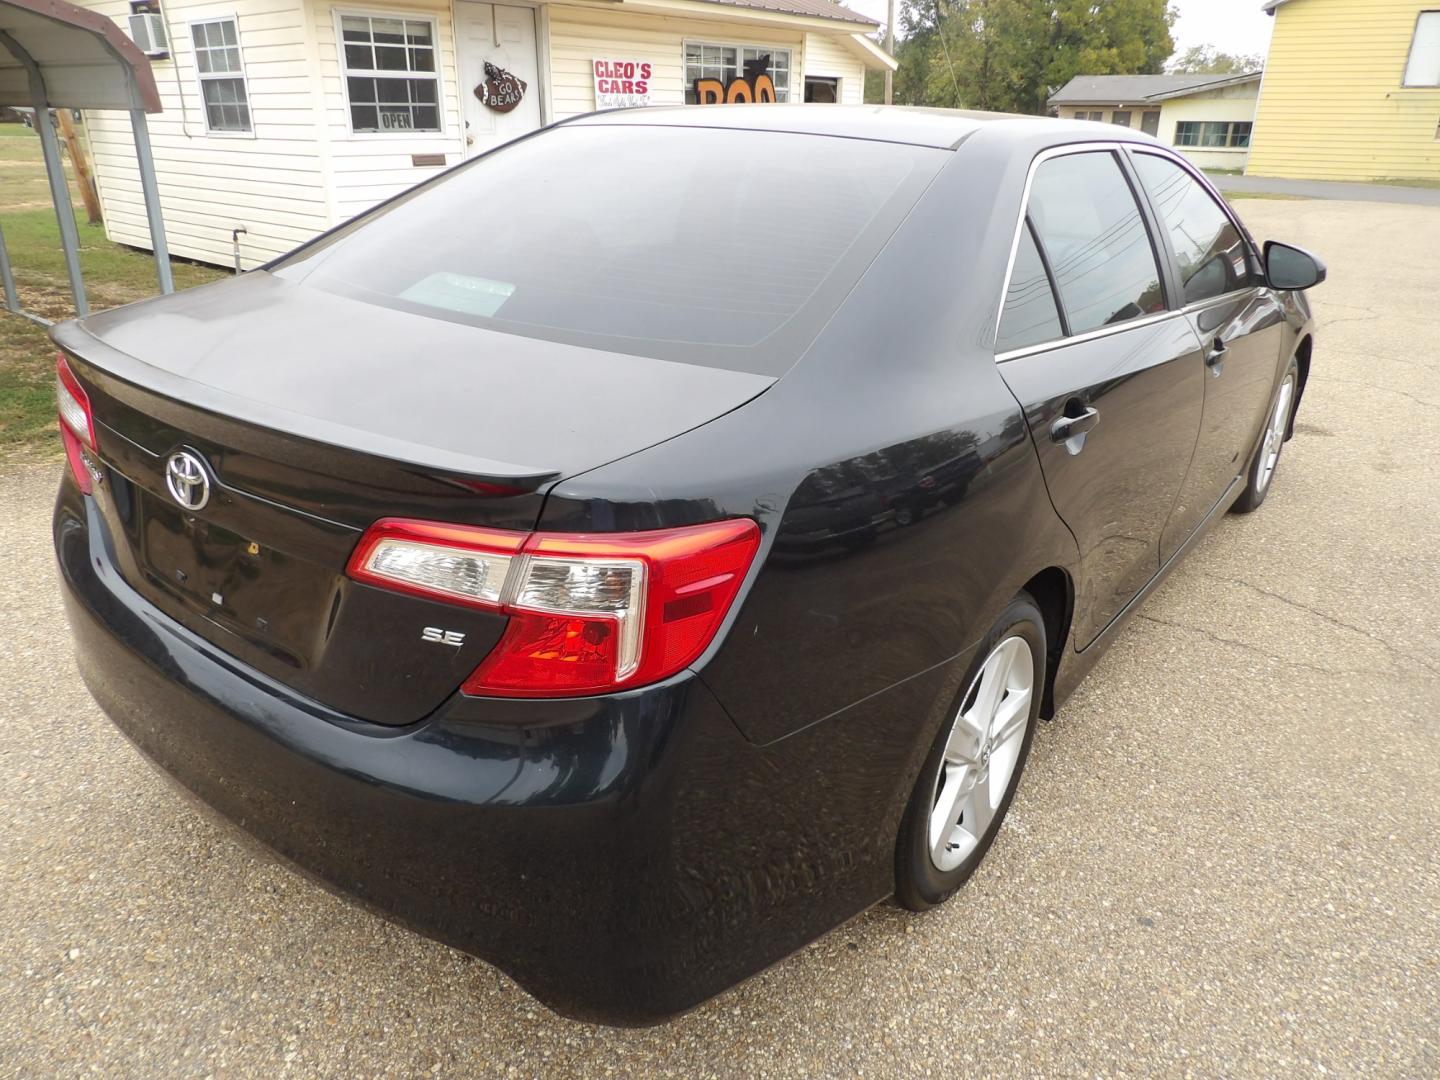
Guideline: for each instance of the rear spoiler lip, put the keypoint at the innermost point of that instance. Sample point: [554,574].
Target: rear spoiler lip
[76,341]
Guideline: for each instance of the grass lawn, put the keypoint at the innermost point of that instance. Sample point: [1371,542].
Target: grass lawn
[114,275]
[1420,182]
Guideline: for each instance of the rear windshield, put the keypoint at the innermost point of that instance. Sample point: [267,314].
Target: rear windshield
[720,247]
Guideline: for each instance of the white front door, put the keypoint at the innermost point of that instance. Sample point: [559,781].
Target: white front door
[505,37]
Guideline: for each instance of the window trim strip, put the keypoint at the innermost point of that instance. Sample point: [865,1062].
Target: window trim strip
[1124,149]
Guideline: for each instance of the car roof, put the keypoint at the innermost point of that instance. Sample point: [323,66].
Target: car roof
[942,128]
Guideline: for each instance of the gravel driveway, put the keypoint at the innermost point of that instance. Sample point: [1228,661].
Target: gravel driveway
[1223,858]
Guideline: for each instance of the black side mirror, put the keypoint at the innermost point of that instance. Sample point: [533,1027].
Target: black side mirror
[1289,267]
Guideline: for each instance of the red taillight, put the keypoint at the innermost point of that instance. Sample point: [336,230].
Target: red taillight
[77,424]
[589,613]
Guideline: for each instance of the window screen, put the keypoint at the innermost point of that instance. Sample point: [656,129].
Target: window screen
[1030,316]
[1219,133]
[222,78]
[1423,66]
[1212,254]
[714,242]
[390,77]
[1099,248]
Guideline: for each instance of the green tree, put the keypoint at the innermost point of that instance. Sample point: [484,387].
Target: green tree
[1208,60]
[1009,55]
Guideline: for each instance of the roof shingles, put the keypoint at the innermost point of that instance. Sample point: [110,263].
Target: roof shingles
[815,9]
[1121,89]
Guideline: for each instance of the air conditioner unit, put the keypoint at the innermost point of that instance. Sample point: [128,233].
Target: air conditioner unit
[147,29]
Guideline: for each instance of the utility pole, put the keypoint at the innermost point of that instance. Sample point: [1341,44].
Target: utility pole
[890,48]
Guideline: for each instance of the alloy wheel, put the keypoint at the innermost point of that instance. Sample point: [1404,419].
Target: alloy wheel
[981,753]
[1275,434]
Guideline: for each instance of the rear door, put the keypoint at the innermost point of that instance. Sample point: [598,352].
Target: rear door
[1240,325]
[1109,375]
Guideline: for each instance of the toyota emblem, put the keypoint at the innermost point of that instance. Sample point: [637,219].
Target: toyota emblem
[187,480]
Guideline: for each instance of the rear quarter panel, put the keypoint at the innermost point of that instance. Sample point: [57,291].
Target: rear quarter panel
[900,499]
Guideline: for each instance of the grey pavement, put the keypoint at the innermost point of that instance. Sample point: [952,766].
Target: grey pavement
[1326,189]
[1223,859]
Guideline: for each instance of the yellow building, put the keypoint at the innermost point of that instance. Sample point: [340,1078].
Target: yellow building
[1351,91]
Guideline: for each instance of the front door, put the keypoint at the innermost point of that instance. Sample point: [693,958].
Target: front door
[1109,377]
[1241,330]
[504,37]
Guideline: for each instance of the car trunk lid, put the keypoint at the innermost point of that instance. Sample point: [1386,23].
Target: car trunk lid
[312,416]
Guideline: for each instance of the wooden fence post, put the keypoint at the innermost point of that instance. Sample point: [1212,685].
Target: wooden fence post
[83,178]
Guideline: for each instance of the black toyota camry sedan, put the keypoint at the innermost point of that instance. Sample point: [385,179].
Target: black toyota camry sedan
[637,551]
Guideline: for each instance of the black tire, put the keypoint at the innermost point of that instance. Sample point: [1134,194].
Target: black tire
[1259,480]
[919,883]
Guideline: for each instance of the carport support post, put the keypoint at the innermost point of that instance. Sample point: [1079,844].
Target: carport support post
[12,301]
[141,130]
[54,170]
[60,195]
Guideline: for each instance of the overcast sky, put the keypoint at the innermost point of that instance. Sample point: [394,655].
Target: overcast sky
[1233,26]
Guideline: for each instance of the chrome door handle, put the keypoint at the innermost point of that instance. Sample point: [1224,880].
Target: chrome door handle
[1067,427]
[1215,358]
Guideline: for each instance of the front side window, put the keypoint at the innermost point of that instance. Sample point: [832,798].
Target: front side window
[1030,315]
[1212,253]
[1423,66]
[726,63]
[222,75]
[1099,249]
[391,82]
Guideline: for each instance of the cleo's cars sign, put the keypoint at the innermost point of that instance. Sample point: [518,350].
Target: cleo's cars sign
[621,84]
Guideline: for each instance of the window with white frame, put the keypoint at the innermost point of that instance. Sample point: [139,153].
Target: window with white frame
[222,75]
[1423,66]
[391,78]
[704,60]
[1214,135]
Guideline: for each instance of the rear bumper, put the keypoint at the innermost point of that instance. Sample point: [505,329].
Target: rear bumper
[623,858]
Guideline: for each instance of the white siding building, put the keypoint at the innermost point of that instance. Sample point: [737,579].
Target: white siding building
[283,118]
[1208,118]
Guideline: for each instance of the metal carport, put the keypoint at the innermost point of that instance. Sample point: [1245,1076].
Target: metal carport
[55,55]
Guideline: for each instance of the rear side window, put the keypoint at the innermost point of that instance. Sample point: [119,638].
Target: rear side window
[715,247]
[1212,254]
[1030,316]
[1099,249]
